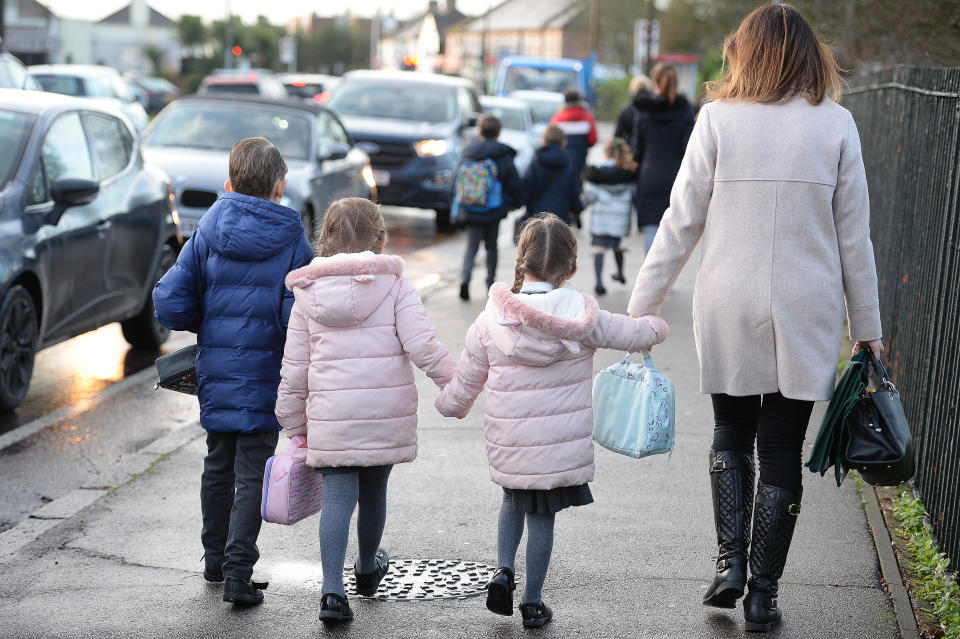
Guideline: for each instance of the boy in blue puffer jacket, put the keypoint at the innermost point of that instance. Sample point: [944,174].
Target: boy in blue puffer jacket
[227,287]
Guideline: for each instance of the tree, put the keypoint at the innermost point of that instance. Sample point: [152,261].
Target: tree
[155,55]
[192,32]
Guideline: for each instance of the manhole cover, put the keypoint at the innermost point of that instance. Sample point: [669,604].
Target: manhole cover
[426,579]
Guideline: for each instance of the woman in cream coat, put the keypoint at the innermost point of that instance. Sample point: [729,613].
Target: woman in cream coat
[773,184]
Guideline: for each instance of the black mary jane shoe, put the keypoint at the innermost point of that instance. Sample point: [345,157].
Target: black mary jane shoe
[242,592]
[500,592]
[620,278]
[368,582]
[600,290]
[334,609]
[535,615]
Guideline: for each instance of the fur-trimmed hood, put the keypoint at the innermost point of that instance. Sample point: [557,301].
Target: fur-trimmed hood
[537,330]
[353,285]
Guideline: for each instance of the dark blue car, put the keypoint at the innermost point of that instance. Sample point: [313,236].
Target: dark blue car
[414,127]
[86,230]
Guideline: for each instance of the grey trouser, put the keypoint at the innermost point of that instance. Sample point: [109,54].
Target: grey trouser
[487,233]
[230,490]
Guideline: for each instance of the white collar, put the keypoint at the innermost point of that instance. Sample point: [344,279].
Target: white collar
[536,287]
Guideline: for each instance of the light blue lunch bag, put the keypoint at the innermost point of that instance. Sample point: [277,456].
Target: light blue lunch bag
[633,409]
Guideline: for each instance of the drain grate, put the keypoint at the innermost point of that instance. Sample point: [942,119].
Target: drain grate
[427,579]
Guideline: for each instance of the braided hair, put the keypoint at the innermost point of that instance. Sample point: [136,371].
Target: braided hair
[619,151]
[546,250]
[351,225]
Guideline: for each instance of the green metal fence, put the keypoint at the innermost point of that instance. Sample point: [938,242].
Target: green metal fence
[909,122]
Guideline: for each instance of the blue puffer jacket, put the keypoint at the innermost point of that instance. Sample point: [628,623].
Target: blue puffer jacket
[227,287]
[552,183]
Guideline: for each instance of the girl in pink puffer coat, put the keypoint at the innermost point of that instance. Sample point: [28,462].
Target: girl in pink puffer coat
[533,349]
[347,383]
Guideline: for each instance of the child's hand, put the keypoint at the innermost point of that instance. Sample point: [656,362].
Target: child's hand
[462,416]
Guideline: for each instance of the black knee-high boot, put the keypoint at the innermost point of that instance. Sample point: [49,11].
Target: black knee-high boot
[774,519]
[618,257]
[731,481]
[598,267]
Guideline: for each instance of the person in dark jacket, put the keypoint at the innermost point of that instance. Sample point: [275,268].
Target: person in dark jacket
[227,287]
[629,115]
[484,227]
[661,140]
[552,181]
[580,127]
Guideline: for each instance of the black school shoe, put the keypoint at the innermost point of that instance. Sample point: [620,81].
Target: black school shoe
[242,592]
[367,583]
[535,615]
[500,592]
[213,573]
[334,609]
[465,292]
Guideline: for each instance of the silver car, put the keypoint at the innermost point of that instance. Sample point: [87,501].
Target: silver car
[192,137]
[93,82]
[516,121]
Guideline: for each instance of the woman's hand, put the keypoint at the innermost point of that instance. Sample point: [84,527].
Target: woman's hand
[874,345]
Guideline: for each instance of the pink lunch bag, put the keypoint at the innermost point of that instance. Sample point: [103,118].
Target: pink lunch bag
[291,490]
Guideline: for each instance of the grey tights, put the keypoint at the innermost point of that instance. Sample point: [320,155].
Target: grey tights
[341,494]
[539,545]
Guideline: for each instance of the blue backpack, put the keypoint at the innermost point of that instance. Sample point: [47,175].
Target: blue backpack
[477,188]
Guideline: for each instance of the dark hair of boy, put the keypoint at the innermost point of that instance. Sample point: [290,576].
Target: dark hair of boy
[490,127]
[554,135]
[546,250]
[255,167]
[572,96]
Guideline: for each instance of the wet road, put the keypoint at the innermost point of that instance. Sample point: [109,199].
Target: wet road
[91,400]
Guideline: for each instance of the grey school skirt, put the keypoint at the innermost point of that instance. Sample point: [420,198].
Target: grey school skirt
[547,502]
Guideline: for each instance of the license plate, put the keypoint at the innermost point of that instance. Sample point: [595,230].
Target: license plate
[382,178]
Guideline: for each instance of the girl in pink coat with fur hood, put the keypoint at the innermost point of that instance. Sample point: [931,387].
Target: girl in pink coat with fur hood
[347,383]
[533,349]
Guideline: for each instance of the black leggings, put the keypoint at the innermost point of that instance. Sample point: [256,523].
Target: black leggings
[778,425]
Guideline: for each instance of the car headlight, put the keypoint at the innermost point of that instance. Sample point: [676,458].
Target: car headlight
[430,148]
[367,174]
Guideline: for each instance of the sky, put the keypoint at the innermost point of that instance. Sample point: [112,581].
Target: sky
[278,12]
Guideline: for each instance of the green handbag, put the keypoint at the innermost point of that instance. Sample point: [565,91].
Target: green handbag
[830,447]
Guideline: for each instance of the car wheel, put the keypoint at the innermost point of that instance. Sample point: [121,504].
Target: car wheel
[18,340]
[143,330]
[444,224]
[307,218]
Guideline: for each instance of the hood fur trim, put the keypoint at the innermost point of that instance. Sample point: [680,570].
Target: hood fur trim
[366,263]
[564,329]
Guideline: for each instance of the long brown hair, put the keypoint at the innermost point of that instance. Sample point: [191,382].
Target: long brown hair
[619,151]
[665,81]
[352,225]
[773,56]
[546,250]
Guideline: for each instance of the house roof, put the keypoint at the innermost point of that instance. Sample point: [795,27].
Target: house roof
[525,15]
[443,19]
[122,16]
[32,9]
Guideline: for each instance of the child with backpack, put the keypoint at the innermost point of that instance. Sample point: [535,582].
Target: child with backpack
[533,348]
[610,188]
[227,287]
[347,384]
[488,186]
[552,181]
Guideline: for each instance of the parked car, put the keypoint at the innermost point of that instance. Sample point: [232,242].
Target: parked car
[93,82]
[543,104]
[265,85]
[160,92]
[191,139]
[516,121]
[86,230]
[13,75]
[556,75]
[414,126]
[311,86]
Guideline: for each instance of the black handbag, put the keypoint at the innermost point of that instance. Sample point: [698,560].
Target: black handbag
[880,445]
[178,370]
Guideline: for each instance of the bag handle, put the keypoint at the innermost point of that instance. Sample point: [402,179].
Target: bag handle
[877,365]
[647,358]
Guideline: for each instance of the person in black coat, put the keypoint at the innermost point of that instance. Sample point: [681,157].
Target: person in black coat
[485,226]
[661,140]
[629,115]
[552,181]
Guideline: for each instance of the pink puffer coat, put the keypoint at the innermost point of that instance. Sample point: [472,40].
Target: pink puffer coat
[346,380]
[537,364]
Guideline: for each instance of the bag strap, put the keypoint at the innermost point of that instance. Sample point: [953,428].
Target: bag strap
[874,362]
[647,359]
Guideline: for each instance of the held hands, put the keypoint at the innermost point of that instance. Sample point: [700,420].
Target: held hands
[875,345]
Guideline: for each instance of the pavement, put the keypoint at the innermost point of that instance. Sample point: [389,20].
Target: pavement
[121,556]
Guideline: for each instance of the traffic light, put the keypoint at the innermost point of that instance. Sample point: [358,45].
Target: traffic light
[237,51]
[409,62]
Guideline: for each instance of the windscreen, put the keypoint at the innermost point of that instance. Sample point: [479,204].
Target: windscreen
[248,89]
[510,118]
[216,126]
[14,129]
[65,84]
[529,79]
[543,110]
[411,101]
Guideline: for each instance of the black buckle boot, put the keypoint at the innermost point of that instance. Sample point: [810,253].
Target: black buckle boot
[774,519]
[731,482]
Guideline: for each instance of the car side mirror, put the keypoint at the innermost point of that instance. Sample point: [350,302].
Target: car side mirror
[472,120]
[68,192]
[335,151]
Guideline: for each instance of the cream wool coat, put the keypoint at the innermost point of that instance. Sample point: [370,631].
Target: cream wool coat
[346,379]
[534,354]
[778,194]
